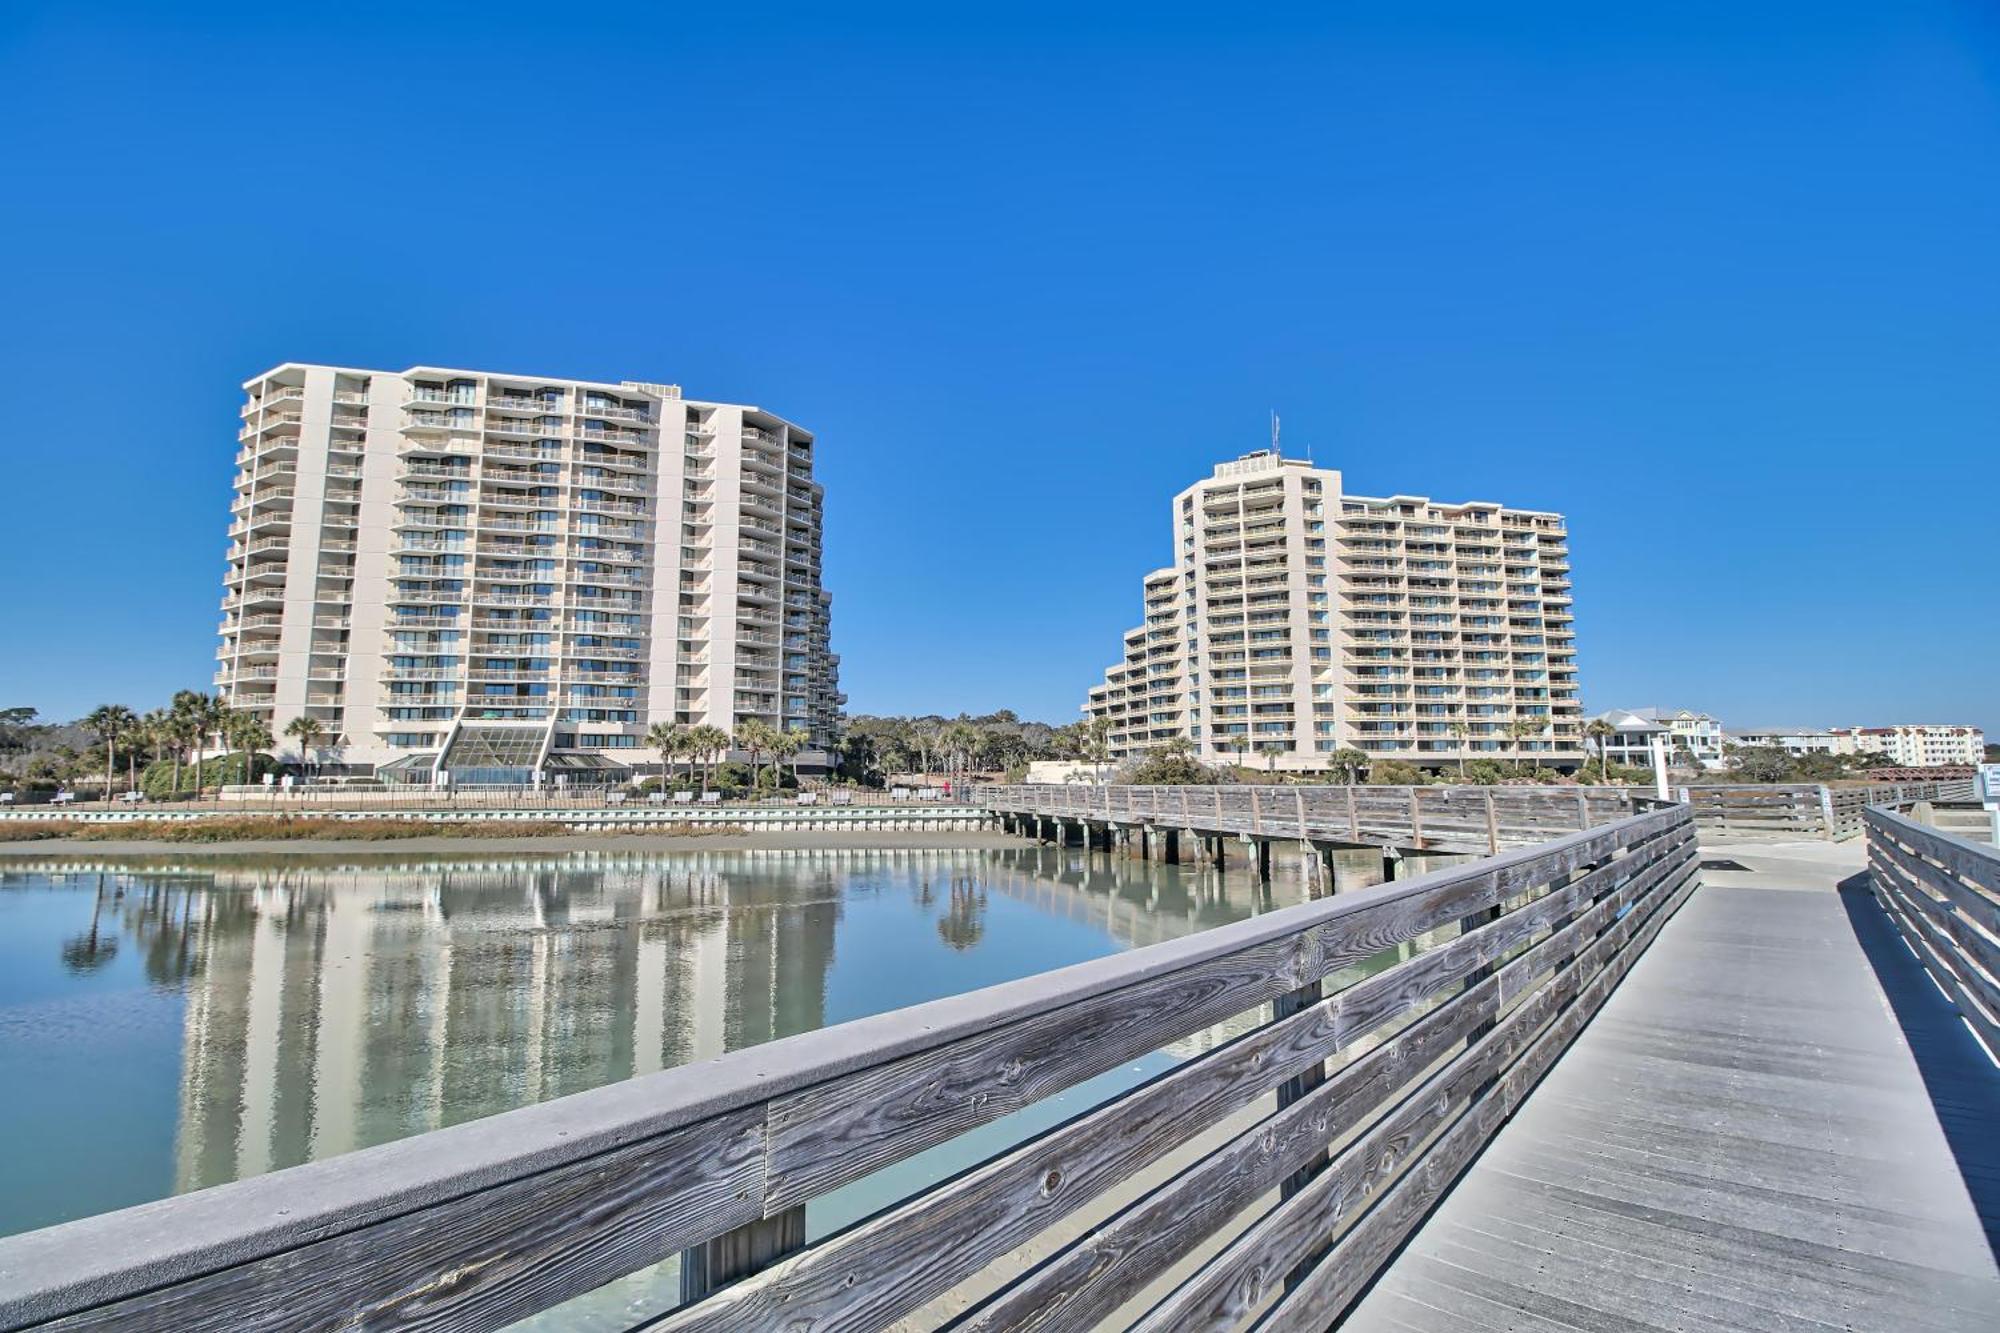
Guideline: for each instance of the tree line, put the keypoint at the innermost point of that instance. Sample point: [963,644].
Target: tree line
[704,747]
[876,748]
[156,751]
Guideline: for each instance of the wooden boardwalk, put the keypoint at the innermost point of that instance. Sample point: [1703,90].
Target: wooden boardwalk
[1637,1106]
[1741,1140]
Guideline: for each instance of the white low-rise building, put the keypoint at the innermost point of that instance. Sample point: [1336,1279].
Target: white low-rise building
[1919,745]
[1687,734]
[1794,740]
[1909,745]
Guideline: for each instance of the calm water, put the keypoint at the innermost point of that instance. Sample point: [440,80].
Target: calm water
[167,1025]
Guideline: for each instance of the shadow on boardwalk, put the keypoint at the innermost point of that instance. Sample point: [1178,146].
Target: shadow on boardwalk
[1963,1083]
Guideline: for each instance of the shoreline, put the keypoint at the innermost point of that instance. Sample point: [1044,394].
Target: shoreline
[804,840]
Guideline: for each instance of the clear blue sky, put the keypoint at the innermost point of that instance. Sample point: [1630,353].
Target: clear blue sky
[1719,280]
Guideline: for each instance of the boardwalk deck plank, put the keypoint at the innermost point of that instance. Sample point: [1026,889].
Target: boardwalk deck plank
[1742,1140]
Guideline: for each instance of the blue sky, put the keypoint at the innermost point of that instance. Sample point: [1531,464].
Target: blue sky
[1721,283]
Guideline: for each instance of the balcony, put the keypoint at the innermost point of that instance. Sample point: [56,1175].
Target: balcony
[610,507]
[272,397]
[610,434]
[615,411]
[509,402]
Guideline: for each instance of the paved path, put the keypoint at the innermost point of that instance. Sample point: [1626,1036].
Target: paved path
[1741,1140]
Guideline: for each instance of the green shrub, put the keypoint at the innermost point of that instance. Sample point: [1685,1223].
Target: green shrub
[157,779]
[1395,773]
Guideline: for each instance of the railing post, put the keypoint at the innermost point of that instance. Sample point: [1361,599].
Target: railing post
[1416,820]
[1353,816]
[1492,824]
[1826,813]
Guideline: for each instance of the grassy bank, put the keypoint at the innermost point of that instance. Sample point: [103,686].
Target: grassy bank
[303,828]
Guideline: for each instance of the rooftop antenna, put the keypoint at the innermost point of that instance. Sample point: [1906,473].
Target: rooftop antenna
[1274,439]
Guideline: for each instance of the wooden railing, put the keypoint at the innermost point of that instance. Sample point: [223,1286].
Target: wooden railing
[1846,804]
[1943,893]
[1806,810]
[1397,1027]
[1470,819]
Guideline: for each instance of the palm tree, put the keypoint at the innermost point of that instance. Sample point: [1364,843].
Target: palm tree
[1348,764]
[113,724]
[149,734]
[789,743]
[246,732]
[927,736]
[683,747]
[1461,731]
[706,743]
[1521,729]
[961,740]
[670,739]
[1097,743]
[759,738]
[162,731]
[203,716]
[1598,731]
[308,732]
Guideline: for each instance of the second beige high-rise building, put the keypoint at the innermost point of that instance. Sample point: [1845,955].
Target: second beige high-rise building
[1298,621]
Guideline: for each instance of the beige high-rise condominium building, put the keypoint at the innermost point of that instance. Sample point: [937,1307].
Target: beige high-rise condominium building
[1299,620]
[517,572]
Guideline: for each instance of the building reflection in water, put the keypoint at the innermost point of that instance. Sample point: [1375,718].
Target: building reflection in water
[332,1007]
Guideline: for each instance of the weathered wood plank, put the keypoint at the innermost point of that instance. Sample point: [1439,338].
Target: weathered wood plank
[1972,993]
[482,1260]
[1935,889]
[1917,888]
[887,1266]
[1969,874]
[1095,1273]
[1334,1282]
[1239,1278]
[838,1131]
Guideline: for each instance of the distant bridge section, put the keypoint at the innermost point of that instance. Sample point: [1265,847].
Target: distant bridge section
[1175,824]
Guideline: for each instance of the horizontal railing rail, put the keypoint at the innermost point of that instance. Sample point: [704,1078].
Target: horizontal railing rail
[1847,803]
[1807,810]
[1943,893]
[1397,1027]
[1473,819]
